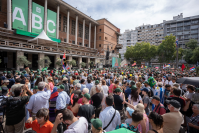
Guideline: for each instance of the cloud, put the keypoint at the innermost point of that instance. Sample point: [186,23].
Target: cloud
[128,14]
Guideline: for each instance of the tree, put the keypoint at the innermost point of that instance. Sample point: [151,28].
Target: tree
[83,64]
[58,62]
[91,63]
[119,55]
[191,55]
[22,60]
[72,62]
[166,49]
[180,54]
[44,62]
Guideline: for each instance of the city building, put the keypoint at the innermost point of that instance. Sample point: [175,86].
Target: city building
[127,39]
[183,28]
[66,30]
[154,34]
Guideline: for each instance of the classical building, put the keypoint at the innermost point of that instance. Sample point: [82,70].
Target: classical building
[127,39]
[183,28]
[71,32]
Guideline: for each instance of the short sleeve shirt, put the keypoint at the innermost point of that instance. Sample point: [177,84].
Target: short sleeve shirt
[146,100]
[134,102]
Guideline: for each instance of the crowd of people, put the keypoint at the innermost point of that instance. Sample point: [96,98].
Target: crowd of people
[98,100]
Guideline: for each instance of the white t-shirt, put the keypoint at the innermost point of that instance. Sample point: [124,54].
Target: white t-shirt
[134,102]
[105,89]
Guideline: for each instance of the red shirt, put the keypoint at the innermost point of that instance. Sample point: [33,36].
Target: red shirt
[46,128]
[160,110]
[80,101]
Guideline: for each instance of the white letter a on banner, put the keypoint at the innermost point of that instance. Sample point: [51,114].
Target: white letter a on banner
[16,10]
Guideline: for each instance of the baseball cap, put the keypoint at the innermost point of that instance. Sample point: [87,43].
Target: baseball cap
[34,88]
[61,87]
[133,87]
[145,82]
[118,90]
[155,97]
[86,95]
[130,110]
[6,81]
[145,89]
[97,123]
[174,103]
[96,82]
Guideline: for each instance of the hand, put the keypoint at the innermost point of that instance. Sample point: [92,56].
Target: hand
[47,86]
[59,118]
[190,124]
[25,87]
[30,120]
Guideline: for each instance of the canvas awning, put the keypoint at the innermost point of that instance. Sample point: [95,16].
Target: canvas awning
[42,38]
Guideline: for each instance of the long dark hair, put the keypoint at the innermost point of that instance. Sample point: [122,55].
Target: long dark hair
[134,94]
[157,119]
[38,80]
[75,99]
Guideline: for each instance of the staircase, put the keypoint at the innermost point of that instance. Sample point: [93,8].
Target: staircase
[124,62]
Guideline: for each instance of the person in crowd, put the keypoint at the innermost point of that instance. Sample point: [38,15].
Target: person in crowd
[51,83]
[109,116]
[97,100]
[111,87]
[76,91]
[52,104]
[93,89]
[80,100]
[75,106]
[39,100]
[76,80]
[4,88]
[42,123]
[105,91]
[15,114]
[83,84]
[97,126]
[137,117]
[38,80]
[172,121]
[156,122]
[159,107]
[116,85]
[66,85]
[23,78]
[76,125]
[129,112]
[189,93]
[134,98]
[56,80]
[61,102]
[118,103]
[89,84]
[146,100]
[11,81]
[193,123]
[87,110]
[167,91]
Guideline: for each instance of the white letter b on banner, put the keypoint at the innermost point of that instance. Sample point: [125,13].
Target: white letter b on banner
[35,21]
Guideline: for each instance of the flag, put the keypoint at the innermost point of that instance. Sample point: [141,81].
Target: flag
[163,66]
[134,64]
[64,56]
[183,66]
[168,65]
[192,69]
[63,66]
[176,42]
[142,66]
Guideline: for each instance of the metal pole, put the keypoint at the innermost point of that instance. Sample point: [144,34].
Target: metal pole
[177,57]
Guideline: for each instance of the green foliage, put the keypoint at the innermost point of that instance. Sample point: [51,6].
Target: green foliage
[58,62]
[72,62]
[0,60]
[83,64]
[180,54]
[167,48]
[91,63]
[22,60]
[42,63]
[191,55]
[119,55]
[141,51]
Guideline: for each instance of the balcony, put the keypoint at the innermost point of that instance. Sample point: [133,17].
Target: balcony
[119,46]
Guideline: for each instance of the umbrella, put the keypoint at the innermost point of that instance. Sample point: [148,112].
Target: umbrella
[189,80]
[121,130]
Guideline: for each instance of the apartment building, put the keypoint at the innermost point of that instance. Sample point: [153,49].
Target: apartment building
[183,28]
[127,39]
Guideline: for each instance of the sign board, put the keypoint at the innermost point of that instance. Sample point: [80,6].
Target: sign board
[116,62]
[51,23]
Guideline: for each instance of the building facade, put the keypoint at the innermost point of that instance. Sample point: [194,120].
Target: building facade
[154,34]
[183,28]
[73,32]
[127,39]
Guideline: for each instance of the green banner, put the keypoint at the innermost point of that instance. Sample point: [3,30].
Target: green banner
[51,23]
[20,14]
[37,18]
[116,62]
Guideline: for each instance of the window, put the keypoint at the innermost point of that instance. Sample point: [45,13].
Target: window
[80,43]
[73,42]
[86,45]
[99,37]
[194,36]
[99,30]
[59,19]
[65,24]
[194,31]
[73,28]
[105,38]
[86,32]
[187,23]
[187,28]
[128,40]
[186,36]
[80,30]
[179,24]
[99,45]
[194,26]
[179,28]
[195,21]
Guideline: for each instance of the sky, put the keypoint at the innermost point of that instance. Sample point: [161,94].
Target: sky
[128,14]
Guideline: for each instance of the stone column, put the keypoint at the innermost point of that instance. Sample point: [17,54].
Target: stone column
[9,15]
[57,56]
[79,61]
[83,40]
[88,61]
[89,34]
[69,59]
[40,56]
[68,26]
[76,32]
[45,16]
[19,53]
[10,59]
[58,11]
[29,15]
[95,61]
[95,37]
